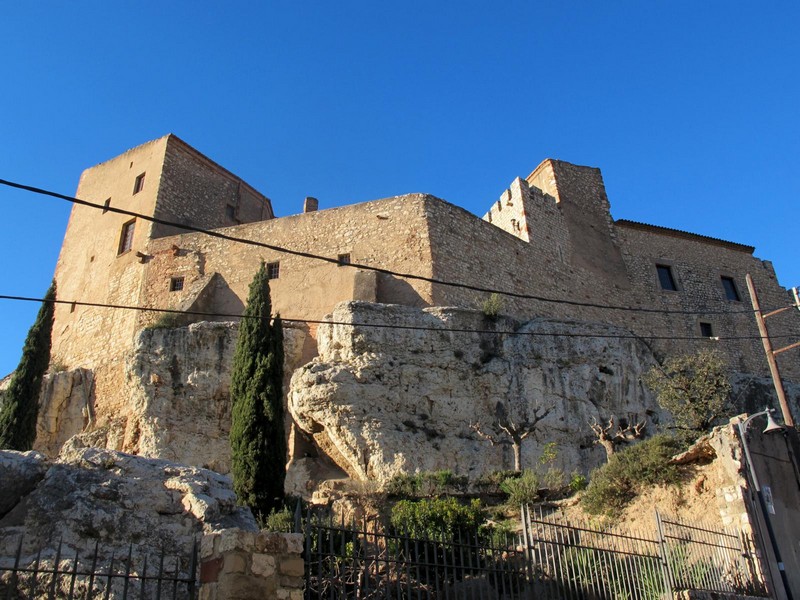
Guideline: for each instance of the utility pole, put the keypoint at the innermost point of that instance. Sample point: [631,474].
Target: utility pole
[773,365]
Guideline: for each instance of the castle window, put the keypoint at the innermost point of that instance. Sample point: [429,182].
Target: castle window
[126,237]
[731,293]
[175,284]
[138,185]
[273,270]
[230,212]
[665,278]
[344,259]
[706,330]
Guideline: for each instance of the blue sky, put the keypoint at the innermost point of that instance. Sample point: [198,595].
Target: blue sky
[689,108]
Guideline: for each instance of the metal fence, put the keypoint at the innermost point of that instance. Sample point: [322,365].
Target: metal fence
[365,562]
[64,574]
[697,557]
[578,561]
[551,559]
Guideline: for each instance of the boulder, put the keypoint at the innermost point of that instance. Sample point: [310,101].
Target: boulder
[414,396]
[94,496]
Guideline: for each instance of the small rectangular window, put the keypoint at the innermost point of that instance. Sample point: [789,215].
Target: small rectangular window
[230,212]
[665,278]
[175,284]
[344,259]
[126,237]
[138,185]
[273,270]
[706,330]
[731,292]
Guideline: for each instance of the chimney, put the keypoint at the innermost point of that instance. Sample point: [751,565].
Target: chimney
[310,204]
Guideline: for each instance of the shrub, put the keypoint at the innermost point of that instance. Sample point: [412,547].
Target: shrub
[426,484]
[490,482]
[695,389]
[281,520]
[166,321]
[523,489]
[434,517]
[492,306]
[553,478]
[577,482]
[549,453]
[617,482]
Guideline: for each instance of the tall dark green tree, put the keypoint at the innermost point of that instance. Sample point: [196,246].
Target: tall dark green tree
[258,441]
[21,400]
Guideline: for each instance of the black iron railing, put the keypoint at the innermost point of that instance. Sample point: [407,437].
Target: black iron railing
[59,573]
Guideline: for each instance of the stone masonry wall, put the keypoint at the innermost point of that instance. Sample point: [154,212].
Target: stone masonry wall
[576,254]
[193,190]
[475,252]
[509,212]
[90,268]
[242,565]
[698,267]
[390,234]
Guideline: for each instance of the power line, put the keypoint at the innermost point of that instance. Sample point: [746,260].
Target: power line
[385,325]
[336,261]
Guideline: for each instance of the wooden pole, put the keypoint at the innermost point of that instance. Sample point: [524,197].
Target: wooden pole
[773,365]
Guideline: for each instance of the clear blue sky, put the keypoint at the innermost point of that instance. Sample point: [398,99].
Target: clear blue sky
[691,109]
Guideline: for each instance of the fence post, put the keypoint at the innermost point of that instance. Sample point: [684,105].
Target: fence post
[663,550]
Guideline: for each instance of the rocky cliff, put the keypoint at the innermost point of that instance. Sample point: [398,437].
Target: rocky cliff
[91,495]
[393,389]
[402,397]
[177,382]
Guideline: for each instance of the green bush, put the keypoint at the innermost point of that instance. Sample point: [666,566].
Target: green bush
[492,306]
[166,321]
[577,482]
[523,489]
[281,520]
[553,479]
[627,472]
[490,483]
[426,484]
[549,454]
[437,516]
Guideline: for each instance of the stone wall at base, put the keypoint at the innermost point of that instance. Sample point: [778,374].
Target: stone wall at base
[242,565]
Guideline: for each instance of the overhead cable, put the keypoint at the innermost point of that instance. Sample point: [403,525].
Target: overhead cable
[510,332]
[336,261]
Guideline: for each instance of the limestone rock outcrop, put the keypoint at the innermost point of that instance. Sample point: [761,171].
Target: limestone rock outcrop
[91,495]
[179,402]
[409,397]
[178,380]
[65,408]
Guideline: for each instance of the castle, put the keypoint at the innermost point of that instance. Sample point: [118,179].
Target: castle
[549,235]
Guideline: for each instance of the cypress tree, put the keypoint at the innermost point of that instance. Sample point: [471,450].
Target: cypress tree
[20,407]
[258,442]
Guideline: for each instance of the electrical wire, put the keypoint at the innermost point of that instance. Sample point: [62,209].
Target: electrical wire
[509,332]
[336,261]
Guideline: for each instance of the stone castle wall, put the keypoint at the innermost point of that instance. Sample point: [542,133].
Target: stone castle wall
[91,268]
[697,265]
[574,253]
[389,234]
[176,183]
[195,191]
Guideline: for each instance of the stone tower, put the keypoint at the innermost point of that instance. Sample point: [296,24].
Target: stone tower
[104,258]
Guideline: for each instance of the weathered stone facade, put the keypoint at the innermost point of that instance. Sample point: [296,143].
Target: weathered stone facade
[550,236]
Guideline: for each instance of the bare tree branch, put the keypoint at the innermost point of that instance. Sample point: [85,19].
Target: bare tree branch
[609,437]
